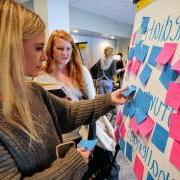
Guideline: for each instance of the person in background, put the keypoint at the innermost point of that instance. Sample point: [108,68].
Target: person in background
[104,70]
[32,119]
[64,64]
[120,68]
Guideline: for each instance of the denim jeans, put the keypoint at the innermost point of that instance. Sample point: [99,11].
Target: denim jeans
[105,86]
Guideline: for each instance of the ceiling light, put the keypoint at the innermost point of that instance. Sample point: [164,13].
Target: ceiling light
[75,31]
[112,37]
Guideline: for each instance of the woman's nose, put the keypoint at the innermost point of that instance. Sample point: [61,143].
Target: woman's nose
[44,56]
[64,52]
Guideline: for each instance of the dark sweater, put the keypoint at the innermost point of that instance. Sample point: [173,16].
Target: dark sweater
[97,72]
[19,158]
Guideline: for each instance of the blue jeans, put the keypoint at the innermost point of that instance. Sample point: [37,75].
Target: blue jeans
[105,86]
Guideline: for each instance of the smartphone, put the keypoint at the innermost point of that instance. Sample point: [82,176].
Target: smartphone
[62,149]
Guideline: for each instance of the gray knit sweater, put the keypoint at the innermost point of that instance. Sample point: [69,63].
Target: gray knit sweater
[20,159]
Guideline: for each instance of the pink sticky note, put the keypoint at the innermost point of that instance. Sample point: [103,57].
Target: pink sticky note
[138,168]
[135,66]
[122,131]
[118,119]
[176,66]
[173,96]
[174,129]
[175,154]
[133,38]
[134,125]
[129,65]
[117,134]
[146,126]
[166,53]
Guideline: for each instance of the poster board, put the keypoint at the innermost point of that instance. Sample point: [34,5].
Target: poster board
[148,127]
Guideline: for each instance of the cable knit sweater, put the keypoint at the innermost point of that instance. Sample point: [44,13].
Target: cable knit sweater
[21,159]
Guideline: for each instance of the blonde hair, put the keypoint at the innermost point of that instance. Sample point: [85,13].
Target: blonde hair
[74,67]
[16,24]
[109,50]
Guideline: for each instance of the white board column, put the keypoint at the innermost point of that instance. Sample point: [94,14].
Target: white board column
[55,13]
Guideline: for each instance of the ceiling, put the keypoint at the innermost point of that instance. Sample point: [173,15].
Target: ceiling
[119,10]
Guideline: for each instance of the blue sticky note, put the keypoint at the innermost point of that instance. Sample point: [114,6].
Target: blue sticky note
[144,24]
[140,116]
[130,54]
[154,53]
[168,75]
[142,53]
[88,144]
[145,74]
[143,101]
[131,89]
[137,48]
[129,109]
[149,177]
[122,144]
[160,137]
[129,151]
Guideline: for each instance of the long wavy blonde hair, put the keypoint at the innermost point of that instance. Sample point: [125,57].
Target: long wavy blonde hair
[16,24]
[74,67]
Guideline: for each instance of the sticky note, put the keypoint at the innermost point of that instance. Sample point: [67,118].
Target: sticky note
[173,96]
[135,66]
[174,129]
[137,48]
[129,109]
[140,116]
[154,53]
[122,145]
[168,75]
[160,137]
[117,134]
[129,151]
[134,125]
[133,38]
[130,53]
[131,89]
[88,144]
[129,65]
[118,119]
[143,101]
[166,53]
[149,177]
[146,126]
[176,66]
[174,156]
[138,168]
[122,130]
[145,74]
[144,24]
[142,53]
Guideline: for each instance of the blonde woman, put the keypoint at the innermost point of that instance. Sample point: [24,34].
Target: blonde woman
[31,120]
[104,70]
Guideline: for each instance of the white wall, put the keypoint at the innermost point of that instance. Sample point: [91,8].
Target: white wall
[95,23]
[95,47]
[122,46]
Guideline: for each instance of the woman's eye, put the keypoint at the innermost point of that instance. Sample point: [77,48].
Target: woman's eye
[61,49]
[40,48]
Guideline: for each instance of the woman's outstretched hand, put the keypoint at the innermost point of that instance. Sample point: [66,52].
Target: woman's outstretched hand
[117,96]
